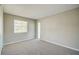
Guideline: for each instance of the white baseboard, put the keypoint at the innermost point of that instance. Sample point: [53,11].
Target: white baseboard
[16,41]
[0,50]
[61,45]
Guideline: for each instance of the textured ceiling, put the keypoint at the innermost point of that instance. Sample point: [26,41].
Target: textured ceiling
[37,11]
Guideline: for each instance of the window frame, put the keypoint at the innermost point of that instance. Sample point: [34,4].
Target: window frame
[19,25]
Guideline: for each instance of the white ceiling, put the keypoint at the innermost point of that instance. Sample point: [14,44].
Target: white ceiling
[37,11]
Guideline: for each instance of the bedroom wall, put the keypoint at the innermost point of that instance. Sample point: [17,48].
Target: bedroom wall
[62,29]
[10,36]
[1,28]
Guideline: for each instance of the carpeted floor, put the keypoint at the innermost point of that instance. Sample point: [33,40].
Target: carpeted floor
[36,47]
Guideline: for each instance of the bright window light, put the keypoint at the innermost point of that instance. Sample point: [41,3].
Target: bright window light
[20,26]
[38,30]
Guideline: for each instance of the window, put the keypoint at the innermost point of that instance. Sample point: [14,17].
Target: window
[38,30]
[20,26]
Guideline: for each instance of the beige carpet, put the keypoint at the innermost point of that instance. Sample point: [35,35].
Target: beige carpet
[36,47]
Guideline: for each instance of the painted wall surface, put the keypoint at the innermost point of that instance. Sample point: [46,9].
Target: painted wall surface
[62,28]
[10,36]
[1,28]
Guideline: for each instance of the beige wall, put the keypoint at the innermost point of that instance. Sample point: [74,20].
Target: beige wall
[1,28]
[62,29]
[10,36]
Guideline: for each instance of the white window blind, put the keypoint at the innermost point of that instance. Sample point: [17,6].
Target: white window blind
[20,26]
